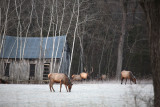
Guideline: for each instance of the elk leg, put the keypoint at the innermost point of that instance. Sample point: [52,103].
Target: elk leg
[60,85]
[66,88]
[130,82]
[51,86]
[122,80]
[126,81]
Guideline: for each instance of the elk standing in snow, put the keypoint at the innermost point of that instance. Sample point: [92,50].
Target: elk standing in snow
[104,77]
[76,78]
[3,81]
[127,75]
[85,75]
[59,78]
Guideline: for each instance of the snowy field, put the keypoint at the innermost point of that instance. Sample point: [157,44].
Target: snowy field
[82,95]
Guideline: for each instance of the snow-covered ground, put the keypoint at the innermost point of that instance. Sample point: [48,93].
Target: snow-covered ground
[82,95]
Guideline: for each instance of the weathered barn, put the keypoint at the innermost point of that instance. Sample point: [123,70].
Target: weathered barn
[32,58]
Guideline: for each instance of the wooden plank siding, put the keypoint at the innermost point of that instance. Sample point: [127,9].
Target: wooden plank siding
[19,71]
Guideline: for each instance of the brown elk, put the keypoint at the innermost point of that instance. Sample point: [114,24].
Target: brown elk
[76,78]
[3,81]
[127,75]
[85,75]
[59,78]
[104,77]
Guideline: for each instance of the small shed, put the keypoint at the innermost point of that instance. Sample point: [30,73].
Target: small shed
[33,58]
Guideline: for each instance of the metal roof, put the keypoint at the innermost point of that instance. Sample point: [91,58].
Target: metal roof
[14,47]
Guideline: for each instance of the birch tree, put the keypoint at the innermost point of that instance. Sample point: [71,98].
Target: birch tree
[41,30]
[121,39]
[30,20]
[4,29]
[75,30]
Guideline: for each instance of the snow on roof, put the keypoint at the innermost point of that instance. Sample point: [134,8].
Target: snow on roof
[14,47]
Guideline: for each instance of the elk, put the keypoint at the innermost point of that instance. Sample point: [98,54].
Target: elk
[76,78]
[127,75]
[85,75]
[104,77]
[59,78]
[3,81]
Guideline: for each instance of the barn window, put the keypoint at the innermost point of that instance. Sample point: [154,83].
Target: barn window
[6,68]
[46,71]
[32,70]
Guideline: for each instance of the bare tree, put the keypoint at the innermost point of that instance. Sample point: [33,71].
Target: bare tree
[152,11]
[30,20]
[121,39]
[41,30]
[75,30]
[4,29]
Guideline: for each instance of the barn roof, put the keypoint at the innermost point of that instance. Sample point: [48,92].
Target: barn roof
[15,47]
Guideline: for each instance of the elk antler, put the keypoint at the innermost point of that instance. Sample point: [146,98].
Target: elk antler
[85,70]
[91,70]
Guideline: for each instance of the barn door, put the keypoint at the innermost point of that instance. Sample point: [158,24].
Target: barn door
[46,71]
[32,72]
[6,69]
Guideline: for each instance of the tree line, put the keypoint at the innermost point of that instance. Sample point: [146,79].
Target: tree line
[97,36]
[108,35]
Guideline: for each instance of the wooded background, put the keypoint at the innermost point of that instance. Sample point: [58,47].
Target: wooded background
[110,35]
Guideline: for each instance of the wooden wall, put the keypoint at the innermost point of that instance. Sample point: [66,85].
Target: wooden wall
[19,70]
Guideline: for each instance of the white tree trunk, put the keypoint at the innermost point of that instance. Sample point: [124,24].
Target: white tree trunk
[121,40]
[75,30]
